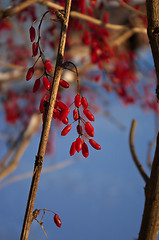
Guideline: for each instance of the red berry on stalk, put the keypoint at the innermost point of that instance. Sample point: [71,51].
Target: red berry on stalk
[57,220]
[79,129]
[84,102]
[89,129]
[75,115]
[85,151]
[48,66]
[41,107]
[30,73]
[88,114]
[94,144]
[62,105]
[36,85]
[64,84]
[66,130]
[46,83]
[77,100]
[65,120]
[73,149]
[64,113]
[32,33]
[78,144]
[35,49]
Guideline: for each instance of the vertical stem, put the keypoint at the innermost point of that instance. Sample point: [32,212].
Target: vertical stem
[46,127]
[150,221]
[153,31]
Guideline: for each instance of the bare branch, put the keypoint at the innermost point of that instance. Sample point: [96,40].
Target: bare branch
[133,152]
[24,140]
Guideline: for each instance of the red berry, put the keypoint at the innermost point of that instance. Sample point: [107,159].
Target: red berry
[32,33]
[94,144]
[41,107]
[66,130]
[88,114]
[78,144]
[30,73]
[64,84]
[46,83]
[77,100]
[79,129]
[36,85]
[48,66]
[89,129]
[64,113]
[75,115]
[56,114]
[85,151]
[57,220]
[72,149]
[65,121]
[35,49]
[84,102]
[62,105]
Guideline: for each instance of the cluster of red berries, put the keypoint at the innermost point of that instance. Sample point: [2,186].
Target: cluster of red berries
[87,132]
[61,111]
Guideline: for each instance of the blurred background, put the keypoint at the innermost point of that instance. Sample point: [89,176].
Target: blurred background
[102,196]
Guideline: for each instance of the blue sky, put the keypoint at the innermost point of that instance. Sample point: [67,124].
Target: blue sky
[101,197]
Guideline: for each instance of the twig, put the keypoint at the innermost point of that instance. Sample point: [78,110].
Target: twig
[46,127]
[131,8]
[133,152]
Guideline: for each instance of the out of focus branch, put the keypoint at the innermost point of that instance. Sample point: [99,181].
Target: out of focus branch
[133,152]
[20,146]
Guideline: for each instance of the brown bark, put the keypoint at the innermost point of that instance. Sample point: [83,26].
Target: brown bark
[150,222]
[153,31]
[46,127]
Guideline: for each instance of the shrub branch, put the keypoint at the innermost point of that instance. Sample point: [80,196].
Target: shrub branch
[46,127]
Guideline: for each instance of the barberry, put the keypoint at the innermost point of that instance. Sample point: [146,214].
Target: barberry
[84,102]
[88,114]
[89,129]
[78,144]
[78,100]
[66,130]
[48,66]
[32,33]
[35,49]
[85,151]
[75,115]
[36,85]
[46,83]
[94,144]
[30,73]
[64,84]
[72,149]
[57,220]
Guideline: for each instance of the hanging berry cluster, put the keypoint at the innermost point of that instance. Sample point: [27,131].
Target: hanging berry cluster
[85,130]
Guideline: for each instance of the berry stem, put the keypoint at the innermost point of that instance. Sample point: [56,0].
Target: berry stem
[28,218]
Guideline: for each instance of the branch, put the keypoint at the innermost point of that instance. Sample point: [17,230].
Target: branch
[46,127]
[27,175]
[150,221]
[14,10]
[133,153]
[24,140]
[153,32]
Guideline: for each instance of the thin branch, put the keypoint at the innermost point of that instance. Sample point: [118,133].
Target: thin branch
[131,8]
[46,127]
[24,140]
[14,10]
[27,175]
[133,152]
